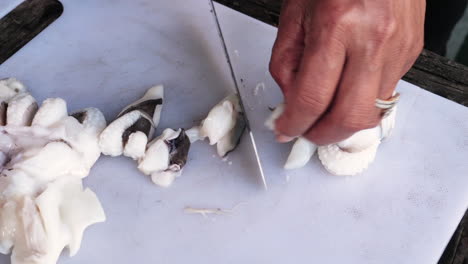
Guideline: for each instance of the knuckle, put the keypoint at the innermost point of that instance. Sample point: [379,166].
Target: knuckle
[336,11]
[336,22]
[310,103]
[276,72]
[332,19]
[384,29]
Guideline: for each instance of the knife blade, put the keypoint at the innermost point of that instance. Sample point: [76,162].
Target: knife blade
[240,96]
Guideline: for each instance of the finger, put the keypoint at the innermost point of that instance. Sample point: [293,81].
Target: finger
[314,87]
[389,82]
[289,44]
[354,106]
[405,48]
[397,66]
[392,73]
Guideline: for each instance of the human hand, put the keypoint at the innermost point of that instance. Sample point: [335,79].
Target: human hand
[333,58]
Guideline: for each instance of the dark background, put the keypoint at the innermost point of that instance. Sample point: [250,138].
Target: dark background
[446,32]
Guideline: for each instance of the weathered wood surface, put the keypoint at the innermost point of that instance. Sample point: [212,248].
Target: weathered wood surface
[26,21]
[456,251]
[441,76]
[431,71]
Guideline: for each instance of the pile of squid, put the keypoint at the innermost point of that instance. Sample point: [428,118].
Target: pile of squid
[345,158]
[164,157]
[44,155]
[46,152]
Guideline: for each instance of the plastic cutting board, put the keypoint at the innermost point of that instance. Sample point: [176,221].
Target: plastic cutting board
[106,53]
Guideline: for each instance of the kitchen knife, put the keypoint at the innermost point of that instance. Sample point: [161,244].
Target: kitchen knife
[240,94]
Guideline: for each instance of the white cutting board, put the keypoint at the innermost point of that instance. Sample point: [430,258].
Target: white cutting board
[105,53]
[8,5]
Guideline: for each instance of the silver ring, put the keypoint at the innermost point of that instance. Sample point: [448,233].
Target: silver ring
[388,105]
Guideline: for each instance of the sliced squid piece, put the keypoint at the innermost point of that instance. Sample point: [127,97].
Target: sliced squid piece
[342,163]
[92,119]
[165,178]
[58,236]
[4,159]
[143,124]
[38,166]
[302,150]
[179,146]
[275,114]
[156,157]
[194,134]
[9,88]
[143,115]
[388,124]
[114,137]
[66,210]
[151,104]
[361,140]
[51,111]
[79,209]
[348,157]
[33,228]
[21,110]
[167,153]
[223,126]
[31,238]
[136,145]
[353,155]
[300,154]
[232,139]
[221,119]
[3,113]
[8,226]
[19,184]
[91,124]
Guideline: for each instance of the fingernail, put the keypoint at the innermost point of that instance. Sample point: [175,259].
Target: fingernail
[283,138]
